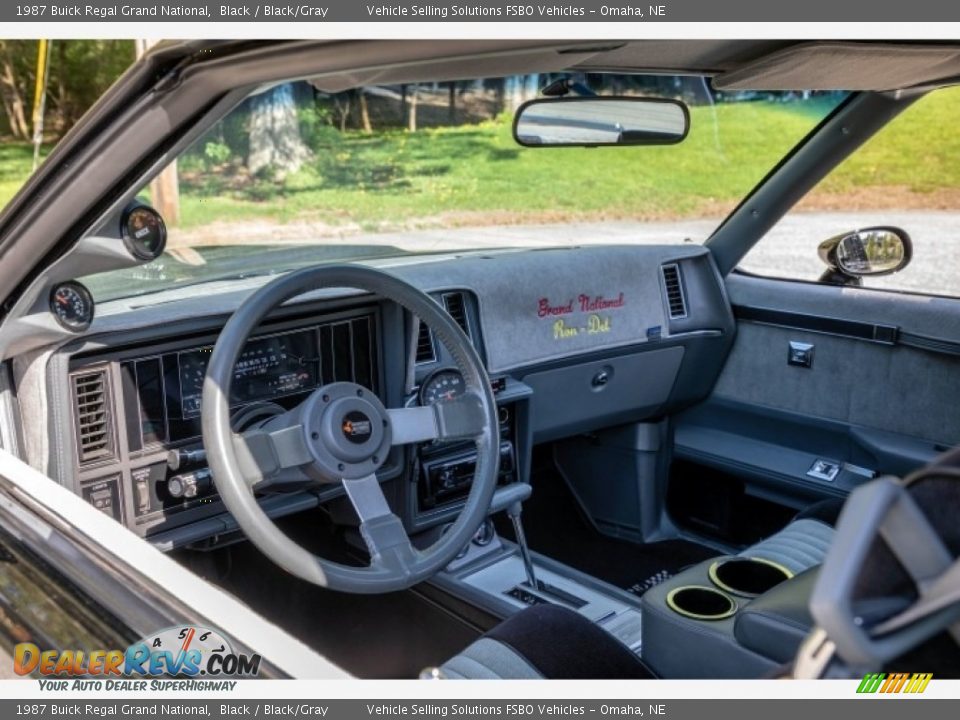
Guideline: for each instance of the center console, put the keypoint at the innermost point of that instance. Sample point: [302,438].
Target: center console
[729,617]
[493,577]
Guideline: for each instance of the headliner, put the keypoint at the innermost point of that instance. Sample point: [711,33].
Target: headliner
[734,64]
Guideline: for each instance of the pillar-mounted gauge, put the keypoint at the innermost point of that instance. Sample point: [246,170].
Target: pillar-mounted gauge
[72,306]
[143,231]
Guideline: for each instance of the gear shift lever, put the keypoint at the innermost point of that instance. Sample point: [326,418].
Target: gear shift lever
[548,592]
[513,512]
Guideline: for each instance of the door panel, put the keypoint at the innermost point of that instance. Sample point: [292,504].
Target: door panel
[873,401]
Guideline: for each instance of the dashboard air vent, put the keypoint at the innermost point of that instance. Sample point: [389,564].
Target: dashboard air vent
[676,302]
[95,432]
[426,351]
[457,307]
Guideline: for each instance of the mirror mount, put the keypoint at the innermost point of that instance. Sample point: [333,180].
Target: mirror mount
[832,276]
[871,252]
[565,86]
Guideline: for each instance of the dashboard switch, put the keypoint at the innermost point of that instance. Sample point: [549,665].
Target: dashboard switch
[143,495]
[179,459]
[188,485]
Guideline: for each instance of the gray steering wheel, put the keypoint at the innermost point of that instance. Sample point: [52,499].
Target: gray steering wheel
[342,433]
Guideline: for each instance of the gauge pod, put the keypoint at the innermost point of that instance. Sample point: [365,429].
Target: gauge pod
[144,232]
[442,386]
[72,306]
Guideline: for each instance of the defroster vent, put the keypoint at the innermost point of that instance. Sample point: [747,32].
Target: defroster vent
[95,429]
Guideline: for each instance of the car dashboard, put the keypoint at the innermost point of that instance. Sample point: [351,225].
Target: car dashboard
[597,337]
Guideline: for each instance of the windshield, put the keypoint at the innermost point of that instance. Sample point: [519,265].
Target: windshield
[296,175]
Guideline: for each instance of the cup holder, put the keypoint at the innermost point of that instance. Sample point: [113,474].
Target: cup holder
[701,603]
[748,577]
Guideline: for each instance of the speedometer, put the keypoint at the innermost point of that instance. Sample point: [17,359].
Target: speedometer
[268,368]
[442,386]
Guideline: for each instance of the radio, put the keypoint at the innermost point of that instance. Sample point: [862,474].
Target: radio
[448,479]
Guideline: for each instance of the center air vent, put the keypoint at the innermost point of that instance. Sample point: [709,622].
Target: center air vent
[457,307]
[95,431]
[426,351]
[673,284]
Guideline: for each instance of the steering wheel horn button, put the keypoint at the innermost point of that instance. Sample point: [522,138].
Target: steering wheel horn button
[356,427]
[346,429]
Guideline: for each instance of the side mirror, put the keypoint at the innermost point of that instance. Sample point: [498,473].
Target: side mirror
[596,121]
[869,252]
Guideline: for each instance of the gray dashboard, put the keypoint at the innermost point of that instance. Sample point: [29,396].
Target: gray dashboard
[584,337]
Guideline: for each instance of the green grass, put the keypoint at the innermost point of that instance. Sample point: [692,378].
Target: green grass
[16,160]
[919,151]
[477,174]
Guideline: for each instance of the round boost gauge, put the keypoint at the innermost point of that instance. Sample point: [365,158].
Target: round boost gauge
[144,232]
[442,386]
[72,306]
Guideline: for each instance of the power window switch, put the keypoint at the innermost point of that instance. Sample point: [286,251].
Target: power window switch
[800,354]
[824,470]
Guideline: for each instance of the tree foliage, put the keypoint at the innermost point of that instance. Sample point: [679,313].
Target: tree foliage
[80,72]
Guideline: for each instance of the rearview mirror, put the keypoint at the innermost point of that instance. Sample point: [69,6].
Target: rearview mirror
[869,252]
[595,121]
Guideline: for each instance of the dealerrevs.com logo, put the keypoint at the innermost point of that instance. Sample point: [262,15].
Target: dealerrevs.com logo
[894,683]
[182,652]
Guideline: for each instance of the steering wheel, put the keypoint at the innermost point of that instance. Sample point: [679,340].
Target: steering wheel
[342,433]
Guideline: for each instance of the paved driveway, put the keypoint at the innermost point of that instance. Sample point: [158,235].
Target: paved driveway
[789,250]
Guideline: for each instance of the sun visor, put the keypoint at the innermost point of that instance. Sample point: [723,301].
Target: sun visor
[845,66]
[548,60]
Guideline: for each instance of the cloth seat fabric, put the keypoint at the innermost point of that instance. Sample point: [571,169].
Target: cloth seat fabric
[546,641]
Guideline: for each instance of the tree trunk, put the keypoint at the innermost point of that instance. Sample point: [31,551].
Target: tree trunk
[500,93]
[64,113]
[412,110]
[275,133]
[13,102]
[452,103]
[514,91]
[531,87]
[165,187]
[364,112]
[343,103]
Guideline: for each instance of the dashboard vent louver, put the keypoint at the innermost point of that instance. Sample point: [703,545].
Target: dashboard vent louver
[676,302]
[95,431]
[457,307]
[426,351]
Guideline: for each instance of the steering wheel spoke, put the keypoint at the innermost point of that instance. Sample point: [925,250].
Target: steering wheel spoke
[382,531]
[459,419]
[272,454]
